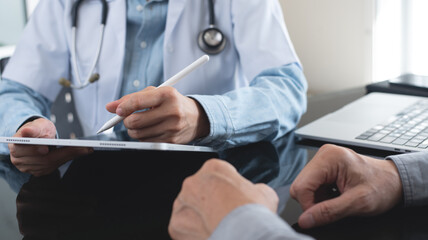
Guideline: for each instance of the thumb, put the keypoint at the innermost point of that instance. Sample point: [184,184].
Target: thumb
[29,131]
[39,128]
[328,211]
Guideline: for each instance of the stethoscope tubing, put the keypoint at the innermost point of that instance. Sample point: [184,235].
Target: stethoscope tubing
[75,63]
[90,78]
[95,61]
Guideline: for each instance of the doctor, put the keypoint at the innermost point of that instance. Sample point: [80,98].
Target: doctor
[252,89]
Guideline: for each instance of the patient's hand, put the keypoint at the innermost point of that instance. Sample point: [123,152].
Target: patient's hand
[211,194]
[367,186]
[40,160]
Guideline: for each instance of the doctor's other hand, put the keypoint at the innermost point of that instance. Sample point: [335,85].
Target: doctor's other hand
[367,186]
[168,116]
[210,195]
[39,160]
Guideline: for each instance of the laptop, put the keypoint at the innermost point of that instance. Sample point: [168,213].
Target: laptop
[382,121]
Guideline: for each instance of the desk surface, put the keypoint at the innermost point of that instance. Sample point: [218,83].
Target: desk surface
[106,197]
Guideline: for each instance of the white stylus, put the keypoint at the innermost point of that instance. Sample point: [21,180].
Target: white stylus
[170,82]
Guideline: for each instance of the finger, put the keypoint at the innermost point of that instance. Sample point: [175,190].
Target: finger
[215,165]
[36,170]
[71,152]
[144,119]
[144,99]
[154,139]
[30,161]
[329,211]
[49,162]
[19,151]
[65,154]
[158,132]
[303,189]
[42,172]
[318,172]
[112,106]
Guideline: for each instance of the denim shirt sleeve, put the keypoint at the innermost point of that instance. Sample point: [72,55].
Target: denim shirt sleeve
[269,108]
[413,170]
[18,103]
[254,222]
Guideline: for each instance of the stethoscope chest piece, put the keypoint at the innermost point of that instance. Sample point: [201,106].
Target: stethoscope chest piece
[211,40]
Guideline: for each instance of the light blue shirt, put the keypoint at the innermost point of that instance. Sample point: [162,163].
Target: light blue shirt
[146,23]
[145,32]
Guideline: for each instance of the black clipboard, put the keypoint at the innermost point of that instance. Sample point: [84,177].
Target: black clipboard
[411,81]
[407,84]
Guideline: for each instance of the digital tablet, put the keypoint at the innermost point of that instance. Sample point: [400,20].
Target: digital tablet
[113,141]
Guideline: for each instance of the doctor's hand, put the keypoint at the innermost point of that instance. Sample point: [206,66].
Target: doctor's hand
[168,116]
[210,195]
[40,160]
[367,186]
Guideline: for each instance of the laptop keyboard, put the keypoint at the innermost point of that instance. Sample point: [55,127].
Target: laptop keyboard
[407,128]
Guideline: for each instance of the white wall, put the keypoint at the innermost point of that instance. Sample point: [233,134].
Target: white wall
[333,39]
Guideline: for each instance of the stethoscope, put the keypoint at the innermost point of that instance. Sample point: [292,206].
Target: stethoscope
[92,77]
[211,40]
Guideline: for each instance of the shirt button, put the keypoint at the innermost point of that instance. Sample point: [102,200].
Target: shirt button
[143,44]
[140,8]
[136,83]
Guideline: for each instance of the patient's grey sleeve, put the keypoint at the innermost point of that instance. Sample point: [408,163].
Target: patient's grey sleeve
[254,222]
[413,170]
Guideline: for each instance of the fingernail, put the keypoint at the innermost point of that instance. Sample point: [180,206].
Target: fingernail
[119,111]
[306,221]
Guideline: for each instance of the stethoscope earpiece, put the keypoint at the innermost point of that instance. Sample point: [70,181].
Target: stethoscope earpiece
[67,83]
[95,77]
[64,82]
[211,40]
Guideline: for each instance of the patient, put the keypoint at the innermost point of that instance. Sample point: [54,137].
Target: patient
[218,203]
